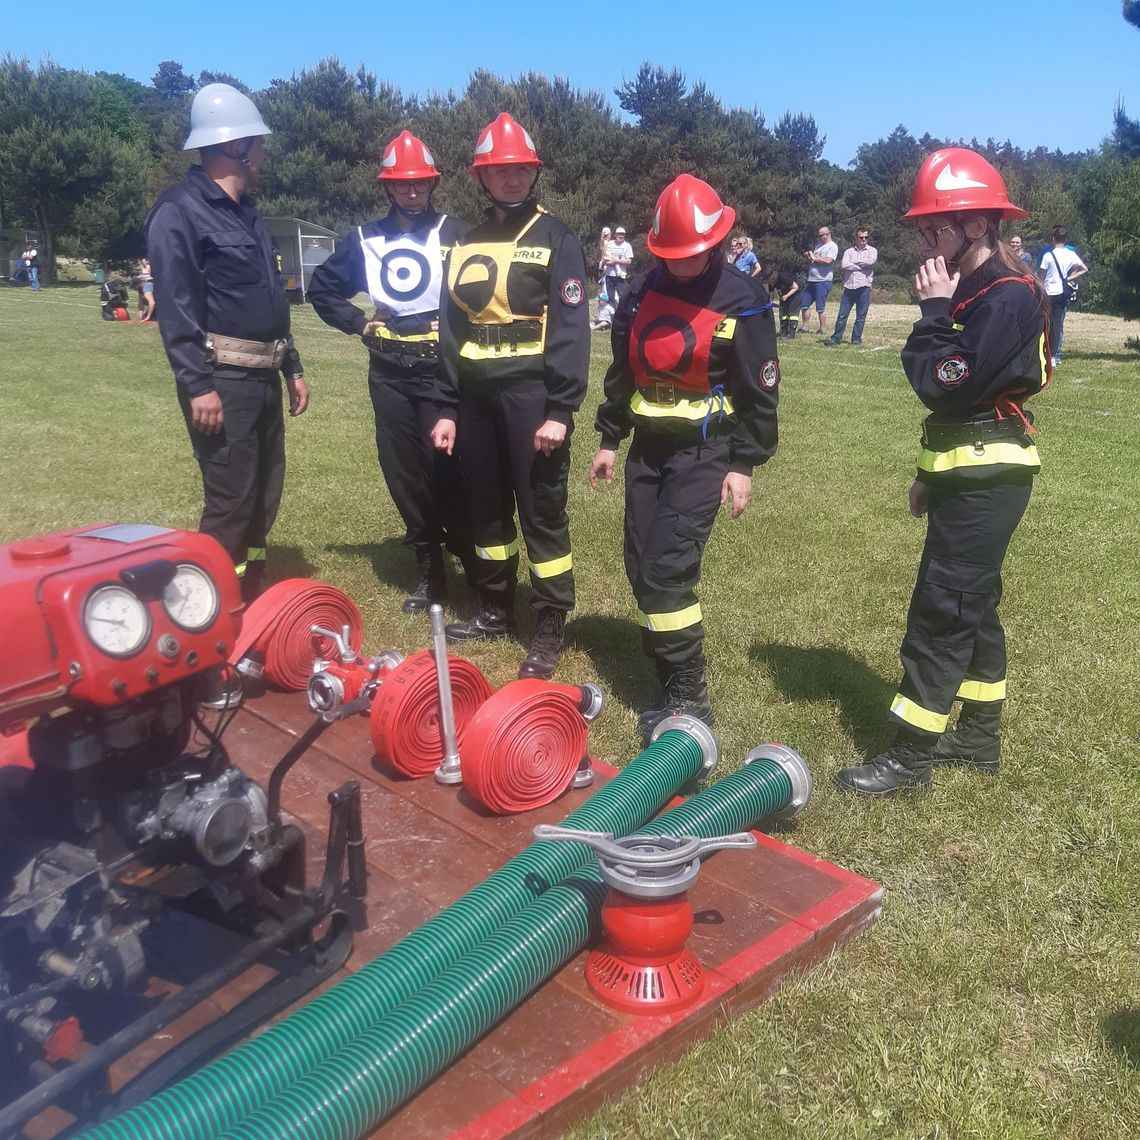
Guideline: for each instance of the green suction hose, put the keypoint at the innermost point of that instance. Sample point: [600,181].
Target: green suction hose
[206,1104]
[351,1093]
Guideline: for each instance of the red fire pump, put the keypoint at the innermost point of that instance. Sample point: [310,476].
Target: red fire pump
[131,835]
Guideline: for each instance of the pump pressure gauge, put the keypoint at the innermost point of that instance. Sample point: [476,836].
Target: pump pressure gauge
[191,598]
[116,620]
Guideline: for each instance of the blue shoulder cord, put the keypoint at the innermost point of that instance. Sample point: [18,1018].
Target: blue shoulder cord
[717,392]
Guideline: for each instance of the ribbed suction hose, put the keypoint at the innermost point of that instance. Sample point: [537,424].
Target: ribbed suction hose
[205,1105]
[349,1095]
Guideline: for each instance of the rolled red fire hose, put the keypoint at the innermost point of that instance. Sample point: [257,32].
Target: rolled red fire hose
[278,626]
[524,745]
[405,712]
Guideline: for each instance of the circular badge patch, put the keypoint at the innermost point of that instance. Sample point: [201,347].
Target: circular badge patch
[950,371]
[572,292]
[770,373]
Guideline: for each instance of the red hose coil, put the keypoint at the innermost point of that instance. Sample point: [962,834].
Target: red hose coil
[278,625]
[524,745]
[405,712]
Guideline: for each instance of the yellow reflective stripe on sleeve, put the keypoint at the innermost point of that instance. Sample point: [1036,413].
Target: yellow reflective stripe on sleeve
[681,410]
[241,568]
[1041,347]
[726,330]
[666,623]
[957,327]
[497,553]
[906,709]
[255,554]
[552,568]
[532,254]
[982,691]
[1003,453]
[472,351]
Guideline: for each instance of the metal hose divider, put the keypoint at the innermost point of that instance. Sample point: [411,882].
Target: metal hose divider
[206,1104]
[352,1092]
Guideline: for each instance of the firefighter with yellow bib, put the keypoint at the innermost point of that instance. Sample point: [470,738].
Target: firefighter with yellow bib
[973,357]
[398,262]
[695,377]
[514,356]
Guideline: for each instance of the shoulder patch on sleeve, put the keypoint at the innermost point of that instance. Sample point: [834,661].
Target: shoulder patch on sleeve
[572,291]
[770,373]
[951,371]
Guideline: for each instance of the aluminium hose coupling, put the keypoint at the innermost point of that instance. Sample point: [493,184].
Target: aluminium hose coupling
[796,769]
[700,732]
[593,701]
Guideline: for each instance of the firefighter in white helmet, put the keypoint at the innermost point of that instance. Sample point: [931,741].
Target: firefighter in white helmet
[225,325]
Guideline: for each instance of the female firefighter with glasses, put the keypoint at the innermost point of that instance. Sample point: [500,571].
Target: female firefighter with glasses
[398,262]
[973,358]
[514,353]
[695,377]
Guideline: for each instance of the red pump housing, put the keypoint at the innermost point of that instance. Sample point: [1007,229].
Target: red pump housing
[98,615]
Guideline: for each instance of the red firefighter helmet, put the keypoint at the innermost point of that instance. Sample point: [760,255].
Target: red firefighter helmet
[956,180]
[689,218]
[503,143]
[407,159]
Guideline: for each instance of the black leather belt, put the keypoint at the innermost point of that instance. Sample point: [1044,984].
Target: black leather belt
[944,436]
[387,346]
[517,332]
[662,393]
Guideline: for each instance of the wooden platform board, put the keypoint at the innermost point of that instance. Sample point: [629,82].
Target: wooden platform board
[759,915]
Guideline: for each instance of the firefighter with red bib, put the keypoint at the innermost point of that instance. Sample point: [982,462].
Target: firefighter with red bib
[514,353]
[695,377]
[975,355]
[398,262]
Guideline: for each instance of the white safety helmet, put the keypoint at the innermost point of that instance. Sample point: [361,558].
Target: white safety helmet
[221,113]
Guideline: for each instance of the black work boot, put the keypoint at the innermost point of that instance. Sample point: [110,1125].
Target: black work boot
[492,623]
[545,645]
[650,716]
[975,741]
[686,694]
[432,584]
[906,764]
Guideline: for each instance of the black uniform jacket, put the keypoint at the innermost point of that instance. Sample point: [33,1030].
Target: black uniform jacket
[985,342]
[343,276]
[745,367]
[546,280]
[214,265]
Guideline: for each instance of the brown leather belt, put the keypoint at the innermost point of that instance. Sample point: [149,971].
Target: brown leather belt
[245,353]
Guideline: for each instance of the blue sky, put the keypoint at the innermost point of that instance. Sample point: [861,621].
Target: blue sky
[1047,72]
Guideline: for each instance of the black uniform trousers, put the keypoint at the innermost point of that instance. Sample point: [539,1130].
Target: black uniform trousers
[672,495]
[243,465]
[953,632]
[502,470]
[425,484]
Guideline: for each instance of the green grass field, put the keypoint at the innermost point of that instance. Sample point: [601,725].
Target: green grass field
[999,996]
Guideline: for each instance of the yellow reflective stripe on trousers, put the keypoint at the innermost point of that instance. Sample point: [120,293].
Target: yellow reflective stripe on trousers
[552,568]
[241,568]
[1002,453]
[681,410]
[473,351]
[497,553]
[666,623]
[982,691]
[906,709]
[255,554]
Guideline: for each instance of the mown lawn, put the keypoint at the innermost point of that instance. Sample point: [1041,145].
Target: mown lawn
[999,996]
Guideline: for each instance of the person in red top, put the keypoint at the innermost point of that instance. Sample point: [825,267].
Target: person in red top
[973,357]
[695,377]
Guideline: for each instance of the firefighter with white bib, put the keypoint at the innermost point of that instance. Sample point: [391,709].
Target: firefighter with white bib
[695,377]
[976,354]
[398,262]
[514,357]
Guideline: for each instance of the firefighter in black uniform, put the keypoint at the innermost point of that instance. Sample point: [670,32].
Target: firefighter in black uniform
[398,262]
[225,325]
[784,290]
[695,376]
[514,352]
[976,353]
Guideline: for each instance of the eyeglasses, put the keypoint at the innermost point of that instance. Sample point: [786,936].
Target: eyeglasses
[823,233]
[930,237]
[419,186]
[860,237]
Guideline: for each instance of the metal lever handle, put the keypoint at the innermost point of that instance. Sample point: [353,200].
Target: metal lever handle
[674,851]
[340,640]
